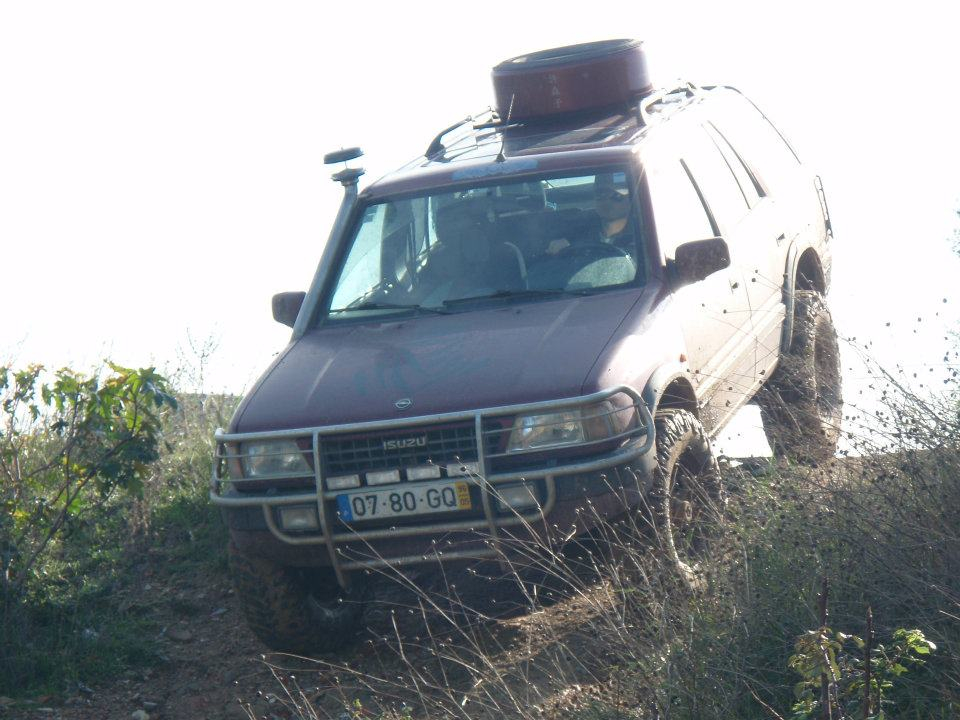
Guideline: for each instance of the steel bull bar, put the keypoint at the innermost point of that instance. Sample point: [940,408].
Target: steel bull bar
[225,490]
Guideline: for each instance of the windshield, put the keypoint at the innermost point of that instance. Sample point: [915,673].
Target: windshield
[496,243]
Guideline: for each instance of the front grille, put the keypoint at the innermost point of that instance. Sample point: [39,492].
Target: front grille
[398,449]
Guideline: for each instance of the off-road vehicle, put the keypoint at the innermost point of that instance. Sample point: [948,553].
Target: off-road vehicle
[556,306]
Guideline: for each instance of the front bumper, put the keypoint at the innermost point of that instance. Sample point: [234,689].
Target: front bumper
[561,485]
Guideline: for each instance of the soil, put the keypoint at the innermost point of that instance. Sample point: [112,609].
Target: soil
[431,638]
[213,667]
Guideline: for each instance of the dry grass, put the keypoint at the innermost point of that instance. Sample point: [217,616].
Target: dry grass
[605,629]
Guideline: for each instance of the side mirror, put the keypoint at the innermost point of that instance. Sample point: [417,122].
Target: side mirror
[696,260]
[286,307]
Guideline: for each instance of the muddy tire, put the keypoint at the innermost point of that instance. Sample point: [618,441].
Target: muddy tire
[688,498]
[293,610]
[801,404]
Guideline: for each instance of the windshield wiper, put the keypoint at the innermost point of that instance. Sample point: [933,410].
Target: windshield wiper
[517,294]
[390,306]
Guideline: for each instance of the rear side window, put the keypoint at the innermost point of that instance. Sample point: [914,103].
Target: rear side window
[678,211]
[713,176]
[751,188]
[759,144]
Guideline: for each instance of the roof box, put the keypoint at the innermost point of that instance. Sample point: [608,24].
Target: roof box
[571,79]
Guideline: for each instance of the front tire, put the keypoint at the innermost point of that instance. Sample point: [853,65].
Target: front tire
[688,497]
[802,404]
[296,610]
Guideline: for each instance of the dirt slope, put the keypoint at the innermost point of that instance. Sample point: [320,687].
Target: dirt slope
[215,668]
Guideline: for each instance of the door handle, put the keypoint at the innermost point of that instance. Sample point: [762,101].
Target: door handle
[734,285]
[783,236]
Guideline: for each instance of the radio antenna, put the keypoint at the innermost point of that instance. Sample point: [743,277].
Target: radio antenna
[500,156]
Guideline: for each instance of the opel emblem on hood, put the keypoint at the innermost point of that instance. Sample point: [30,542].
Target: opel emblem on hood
[403,403]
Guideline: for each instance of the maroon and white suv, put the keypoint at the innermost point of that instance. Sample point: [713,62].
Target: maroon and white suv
[561,301]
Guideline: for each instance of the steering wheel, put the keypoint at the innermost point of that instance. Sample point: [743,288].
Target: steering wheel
[590,264]
[598,264]
[591,251]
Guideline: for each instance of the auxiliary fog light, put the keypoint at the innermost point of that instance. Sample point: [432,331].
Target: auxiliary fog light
[423,472]
[342,482]
[516,497]
[383,477]
[463,469]
[299,517]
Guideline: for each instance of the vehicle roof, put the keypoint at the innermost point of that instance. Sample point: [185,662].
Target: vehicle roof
[484,148]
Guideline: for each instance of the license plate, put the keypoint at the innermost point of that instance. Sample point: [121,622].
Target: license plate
[404,499]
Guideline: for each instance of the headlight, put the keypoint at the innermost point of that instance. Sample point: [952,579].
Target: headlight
[569,427]
[548,430]
[272,457]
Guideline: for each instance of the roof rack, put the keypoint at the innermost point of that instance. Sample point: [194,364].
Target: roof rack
[437,146]
[497,122]
[644,116]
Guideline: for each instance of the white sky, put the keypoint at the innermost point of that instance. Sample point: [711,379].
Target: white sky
[161,163]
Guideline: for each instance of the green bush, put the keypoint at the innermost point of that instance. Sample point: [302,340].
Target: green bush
[65,447]
[848,678]
[95,470]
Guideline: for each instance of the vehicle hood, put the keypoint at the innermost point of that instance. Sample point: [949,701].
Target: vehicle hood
[440,363]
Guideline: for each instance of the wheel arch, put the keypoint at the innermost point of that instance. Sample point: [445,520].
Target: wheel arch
[669,387]
[808,274]
[801,406]
[804,272]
